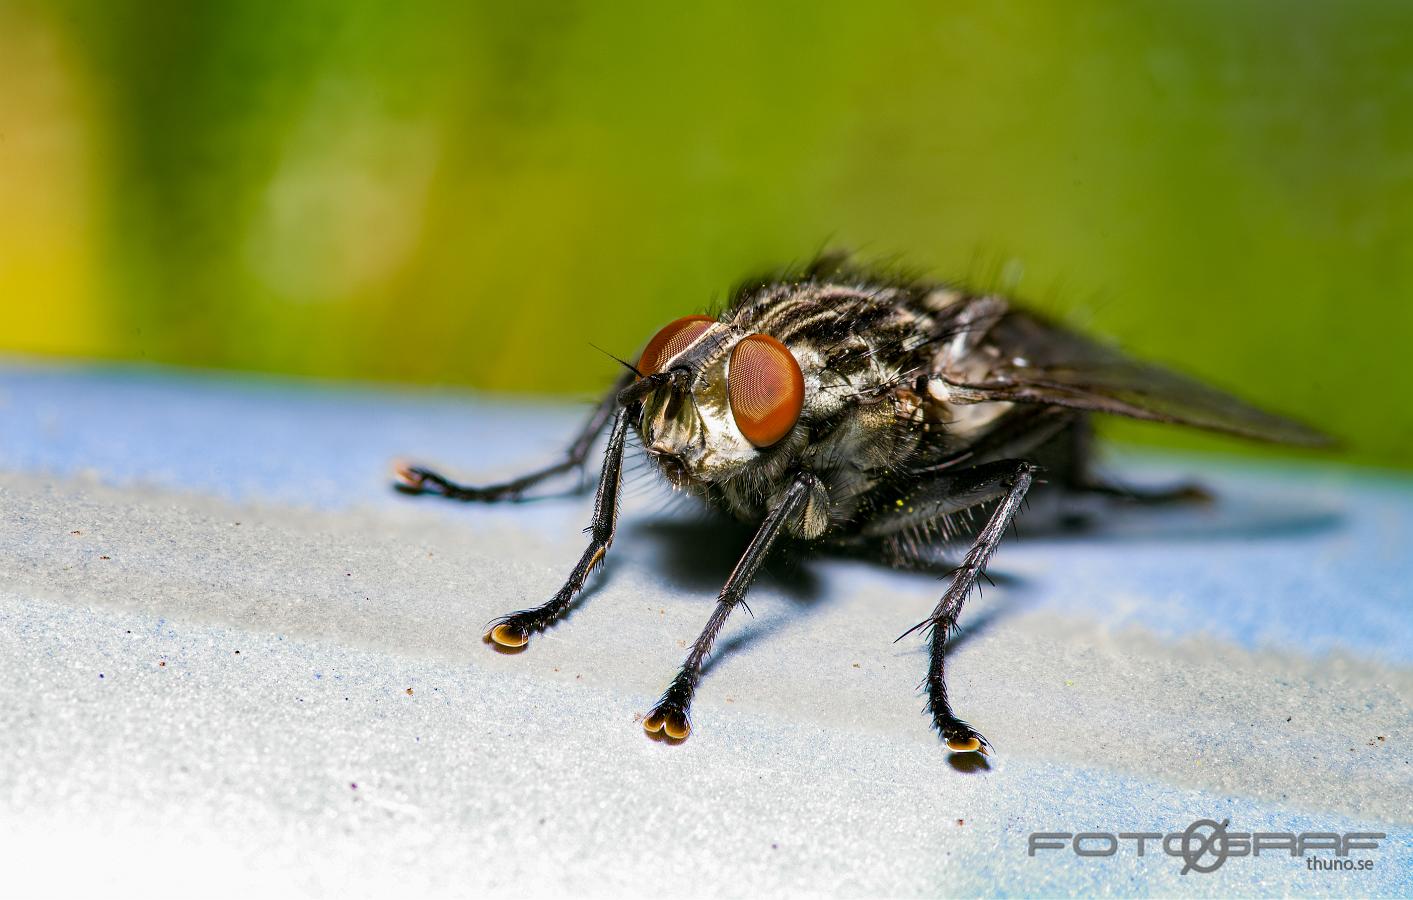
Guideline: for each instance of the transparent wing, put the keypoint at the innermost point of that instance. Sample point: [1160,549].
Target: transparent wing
[1029,360]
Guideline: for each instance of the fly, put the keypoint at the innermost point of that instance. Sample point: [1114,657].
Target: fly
[838,408]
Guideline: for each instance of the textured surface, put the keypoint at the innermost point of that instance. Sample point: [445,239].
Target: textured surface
[235,659]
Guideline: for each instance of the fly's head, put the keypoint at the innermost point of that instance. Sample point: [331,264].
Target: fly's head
[714,401]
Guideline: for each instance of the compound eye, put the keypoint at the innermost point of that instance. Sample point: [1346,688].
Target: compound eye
[766,389]
[670,341]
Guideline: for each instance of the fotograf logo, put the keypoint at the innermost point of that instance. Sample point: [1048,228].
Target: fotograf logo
[1206,844]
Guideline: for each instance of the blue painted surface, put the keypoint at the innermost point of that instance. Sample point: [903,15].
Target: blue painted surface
[1310,560]
[1294,556]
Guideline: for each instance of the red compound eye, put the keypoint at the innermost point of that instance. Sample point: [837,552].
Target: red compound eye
[670,341]
[766,389]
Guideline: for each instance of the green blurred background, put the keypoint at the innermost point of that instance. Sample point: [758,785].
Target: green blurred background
[471,193]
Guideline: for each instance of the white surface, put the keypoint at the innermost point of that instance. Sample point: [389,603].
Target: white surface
[1137,678]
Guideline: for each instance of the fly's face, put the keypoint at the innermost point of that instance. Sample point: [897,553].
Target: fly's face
[731,395]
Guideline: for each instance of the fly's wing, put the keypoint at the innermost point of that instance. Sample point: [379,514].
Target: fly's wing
[1028,360]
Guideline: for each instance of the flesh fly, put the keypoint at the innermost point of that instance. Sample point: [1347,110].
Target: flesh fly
[835,407]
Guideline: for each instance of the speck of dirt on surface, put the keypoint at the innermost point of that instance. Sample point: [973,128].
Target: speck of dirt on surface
[162,663]
[353,785]
[961,821]
[75,532]
[409,692]
[105,557]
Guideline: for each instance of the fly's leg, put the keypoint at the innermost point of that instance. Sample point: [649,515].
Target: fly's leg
[514,630]
[1007,480]
[418,480]
[1070,458]
[1186,492]
[671,714]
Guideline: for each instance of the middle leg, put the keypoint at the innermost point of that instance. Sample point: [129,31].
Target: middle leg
[1070,460]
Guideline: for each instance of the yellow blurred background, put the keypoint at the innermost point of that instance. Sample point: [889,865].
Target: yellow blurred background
[474,193]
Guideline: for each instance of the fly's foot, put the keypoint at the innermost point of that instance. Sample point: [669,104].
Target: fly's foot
[511,633]
[669,717]
[962,738]
[1186,493]
[669,720]
[412,479]
[1192,493]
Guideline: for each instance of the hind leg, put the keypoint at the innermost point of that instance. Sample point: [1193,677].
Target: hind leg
[1068,460]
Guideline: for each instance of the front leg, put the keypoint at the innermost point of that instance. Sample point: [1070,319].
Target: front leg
[1009,480]
[514,630]
[418,480]
[671,714]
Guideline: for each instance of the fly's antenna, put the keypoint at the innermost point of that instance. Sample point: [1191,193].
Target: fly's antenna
[622,362]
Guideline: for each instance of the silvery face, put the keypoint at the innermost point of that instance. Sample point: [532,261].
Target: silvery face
[686,425]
